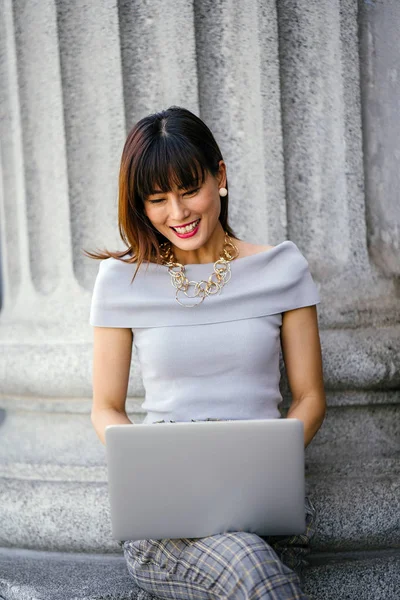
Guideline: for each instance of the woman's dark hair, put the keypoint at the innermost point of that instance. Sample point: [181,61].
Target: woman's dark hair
[172,146]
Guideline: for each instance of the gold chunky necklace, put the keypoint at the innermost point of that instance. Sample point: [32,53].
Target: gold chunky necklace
[214,284]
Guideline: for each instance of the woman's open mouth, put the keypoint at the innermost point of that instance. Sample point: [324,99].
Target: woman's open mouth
[188,231]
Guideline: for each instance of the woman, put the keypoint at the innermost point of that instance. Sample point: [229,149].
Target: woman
[208,345]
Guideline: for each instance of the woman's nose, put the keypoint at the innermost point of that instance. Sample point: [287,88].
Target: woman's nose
[178,210]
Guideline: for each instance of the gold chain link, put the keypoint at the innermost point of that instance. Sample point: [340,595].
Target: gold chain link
[220,276]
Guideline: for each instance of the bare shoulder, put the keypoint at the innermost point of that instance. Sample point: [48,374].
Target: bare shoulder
[247,249]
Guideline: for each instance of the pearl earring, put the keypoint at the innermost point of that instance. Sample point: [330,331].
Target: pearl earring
[223,191]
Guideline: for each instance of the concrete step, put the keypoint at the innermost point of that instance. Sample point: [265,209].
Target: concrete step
[355,357]
[54,495]
[353,576]
[32,575]
[59,509]
[51,437]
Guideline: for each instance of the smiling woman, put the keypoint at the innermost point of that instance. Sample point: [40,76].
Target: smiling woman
[217,359]
[172,173]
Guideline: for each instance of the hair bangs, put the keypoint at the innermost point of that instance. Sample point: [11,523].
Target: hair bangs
[169,162]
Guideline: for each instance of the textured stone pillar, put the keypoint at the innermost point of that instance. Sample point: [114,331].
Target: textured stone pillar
[62,133]
[381,91]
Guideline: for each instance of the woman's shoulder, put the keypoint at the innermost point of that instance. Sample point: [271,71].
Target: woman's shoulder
[285,250]
[248,248]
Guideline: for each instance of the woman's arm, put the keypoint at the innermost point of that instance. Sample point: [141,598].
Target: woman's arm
[112,352]
[301,350]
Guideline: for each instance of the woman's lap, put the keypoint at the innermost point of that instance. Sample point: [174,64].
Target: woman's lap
[235,565]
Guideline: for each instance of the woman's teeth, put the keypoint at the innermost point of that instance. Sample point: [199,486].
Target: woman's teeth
[187,228]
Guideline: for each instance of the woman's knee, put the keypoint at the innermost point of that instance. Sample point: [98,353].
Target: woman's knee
[233,565]
[229,565]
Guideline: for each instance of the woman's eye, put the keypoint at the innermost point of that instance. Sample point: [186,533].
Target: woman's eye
[185,194]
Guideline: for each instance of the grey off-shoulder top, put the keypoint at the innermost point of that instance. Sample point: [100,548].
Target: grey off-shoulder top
[219,359]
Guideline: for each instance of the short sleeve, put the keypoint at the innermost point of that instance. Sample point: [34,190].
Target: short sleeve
[104,305]
[298,286]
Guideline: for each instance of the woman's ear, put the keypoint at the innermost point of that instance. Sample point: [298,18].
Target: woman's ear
[222,174]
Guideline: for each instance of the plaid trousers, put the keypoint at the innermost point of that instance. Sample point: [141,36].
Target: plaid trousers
[229,566]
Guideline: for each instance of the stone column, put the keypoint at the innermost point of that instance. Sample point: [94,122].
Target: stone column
[62,132]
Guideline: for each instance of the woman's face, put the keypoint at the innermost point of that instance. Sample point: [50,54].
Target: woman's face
[178,208]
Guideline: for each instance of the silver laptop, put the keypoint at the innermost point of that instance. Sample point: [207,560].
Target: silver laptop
[194,479]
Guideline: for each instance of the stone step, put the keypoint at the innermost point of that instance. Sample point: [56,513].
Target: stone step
[353,576]
[347,397]
[347,433]
[33,575]
[53,472]
[355,357]
[58,509]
